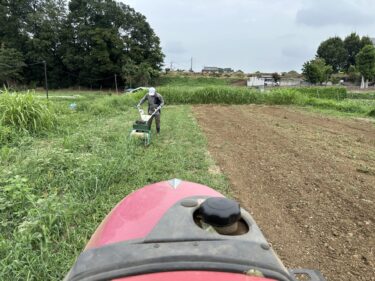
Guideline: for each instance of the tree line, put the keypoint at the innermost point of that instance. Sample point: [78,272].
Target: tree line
[84,42]
[353,56]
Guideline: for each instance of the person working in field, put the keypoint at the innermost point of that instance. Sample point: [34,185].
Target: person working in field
[155,103]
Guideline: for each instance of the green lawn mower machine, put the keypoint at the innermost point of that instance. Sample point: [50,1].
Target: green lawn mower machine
[141,128]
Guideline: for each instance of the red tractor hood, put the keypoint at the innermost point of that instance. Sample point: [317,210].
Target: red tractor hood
[174,230]
[137,214]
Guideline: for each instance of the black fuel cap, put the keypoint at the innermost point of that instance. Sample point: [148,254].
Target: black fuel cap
[220,212]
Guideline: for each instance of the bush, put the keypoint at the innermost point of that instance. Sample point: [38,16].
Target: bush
[372,113]
[24,112]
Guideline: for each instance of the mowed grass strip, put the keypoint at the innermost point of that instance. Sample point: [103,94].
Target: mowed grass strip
[56,189]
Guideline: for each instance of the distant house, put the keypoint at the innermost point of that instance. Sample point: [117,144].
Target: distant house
[285,82]
[255,81]
[261,79]
[214,69]
[228,70]
[267,79]
[210,69]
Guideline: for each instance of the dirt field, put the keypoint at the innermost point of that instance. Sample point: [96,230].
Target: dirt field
[308,180]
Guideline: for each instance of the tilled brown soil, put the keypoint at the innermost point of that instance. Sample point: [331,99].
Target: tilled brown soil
[308,180]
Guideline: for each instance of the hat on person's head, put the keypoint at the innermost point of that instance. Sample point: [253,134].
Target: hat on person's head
[151,91]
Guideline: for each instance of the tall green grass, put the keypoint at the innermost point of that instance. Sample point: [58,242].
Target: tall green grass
[24,112]
[192,81]
[242,95]
[335,93]
[325,98]
[366,96]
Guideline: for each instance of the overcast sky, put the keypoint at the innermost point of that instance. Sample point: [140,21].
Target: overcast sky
[251,35]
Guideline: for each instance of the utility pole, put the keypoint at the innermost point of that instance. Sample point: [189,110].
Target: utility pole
[45,78]
[116,84]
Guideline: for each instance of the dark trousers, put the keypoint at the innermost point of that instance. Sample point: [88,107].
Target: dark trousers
[157,122]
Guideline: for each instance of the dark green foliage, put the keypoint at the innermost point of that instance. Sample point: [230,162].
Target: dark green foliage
[106,38]
[334,53]
[341,54]
[46,27]
[139,75]
[86,44]
[316,71]
[353,45]
[11,63]
[366,62]
[13,23]
[365,40]
[353,74]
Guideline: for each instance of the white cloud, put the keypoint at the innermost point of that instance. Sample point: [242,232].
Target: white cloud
[272,35]
[321,13]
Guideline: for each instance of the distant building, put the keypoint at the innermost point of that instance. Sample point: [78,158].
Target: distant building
[214,69]
[266,79]
[228,70]
[255,81]
[210,69]
[261,79]
[290,82]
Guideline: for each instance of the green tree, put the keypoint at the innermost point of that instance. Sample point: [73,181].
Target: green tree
[33,27]
[47,21]
[11,63]
[334,53]
[366,62]
[353,74]
[365,40]
[104,36]
[138,75]
[13,23]
[316,71]
[86,44]
[353,45]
